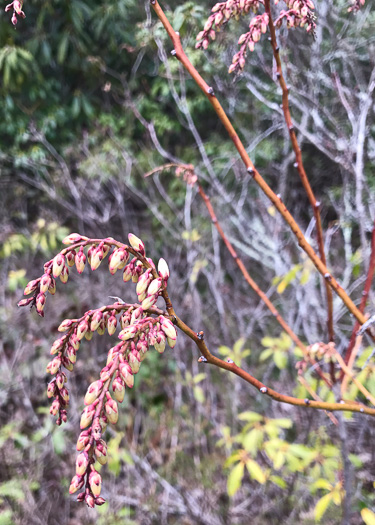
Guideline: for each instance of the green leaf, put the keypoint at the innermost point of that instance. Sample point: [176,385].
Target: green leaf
[280,359]
[321,484]
[322,506]
[12,489]
[250,416]
[368,516]
[6,517]
[199,377]
[255,471]
[278,481]
[199,394]
[266,354]
[252,440]
[235,479]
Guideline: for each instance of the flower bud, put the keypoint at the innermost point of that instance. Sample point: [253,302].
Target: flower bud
[168,328]
[40,302]
[67,363]
[58,265]
[111,325]
[118,258]
[118,388]
[127,273]
[70,258]
[154,287]
[128,333]
[31,286]
[95,320]
[57,345]
[54,407]
[65,395]
[83,440]
[95,482]
[99,501]
[54,365]
[61,379]
[73,340]
[101,327]
[136,243]
[80,260]
[51,388]
[160,342]
[111,411]
[45,282]
[101,452]
[163,269]
[64,275]
[71,354]
[112,352]
[96,257]
[25,302]
[171,342]
[93,392]
[134,361]
[82,329]
[90,501]
[88,335]
[52,287]
[65,325]
[82,462]
[143,282]
[87,416]
[127,374]
[76,484]
[73,238]
[149,301]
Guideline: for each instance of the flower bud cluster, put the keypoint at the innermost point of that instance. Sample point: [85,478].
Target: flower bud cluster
[142,326]
[299,14]
[356,5]
[221,14]
[319,351]
[258,25]
[16,5]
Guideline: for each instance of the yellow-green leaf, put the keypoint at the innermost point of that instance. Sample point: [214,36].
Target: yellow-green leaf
[235,479]
[322,506]
[255,471]
[368,516]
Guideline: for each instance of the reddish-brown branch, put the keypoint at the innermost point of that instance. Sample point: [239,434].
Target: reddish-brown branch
[276,201]
[299,164]
[198,338]
[366,290]
[255,287]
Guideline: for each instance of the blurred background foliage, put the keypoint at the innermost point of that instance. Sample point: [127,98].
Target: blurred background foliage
[91,101]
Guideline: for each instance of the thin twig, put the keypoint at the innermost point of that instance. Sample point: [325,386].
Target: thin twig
[300,167]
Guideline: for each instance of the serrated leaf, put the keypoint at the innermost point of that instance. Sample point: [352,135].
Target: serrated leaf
[235,479]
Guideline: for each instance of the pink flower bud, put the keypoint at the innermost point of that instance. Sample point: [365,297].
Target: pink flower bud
[101,327]
[168,328]
[111,325]
[160,342]
[64,275]
[82,462]
[67,363]
[40,302]
[65,325]
[58,265]
[118,388]
[134,361]
[136,243]
[101,452]
[65,395]
[99,501]
[31,286]
[95,320]
[128,333]
[61,379]
[52,287]
[143,282]
[51,388]
[149,301]
[171,342]
[45,282]
[73,238]
[57,345]
[73,340]
[76,484]
[82,329]
[88,335]
[111,411]
[95,482]
[14,19]
[54,365]
[90,501]
[93,392]
[96,257]
[127,274]
[118,260]
[154,287]
[25,302]
[70,258]
[80,260]
[163,269]
[83,440]
[127,374]
[87,416]
[54,407]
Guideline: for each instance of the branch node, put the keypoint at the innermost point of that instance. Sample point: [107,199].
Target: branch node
[327,276]
[278,196]
[177,33]
[317,204]
[230,361]
[291,127]
[210,91]
[306,401]
[200,335]
[263,390]
[295,165]
[361,410]
[277,49]
[278,74]
[250,171]
[202,359]
[173,52]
